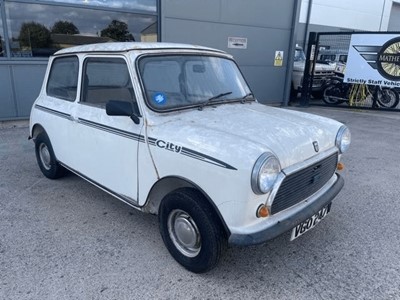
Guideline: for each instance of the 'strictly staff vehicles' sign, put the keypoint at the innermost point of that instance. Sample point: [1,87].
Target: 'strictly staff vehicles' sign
[374,59]
[174,130]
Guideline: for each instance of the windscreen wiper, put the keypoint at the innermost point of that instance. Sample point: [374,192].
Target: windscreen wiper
[244,98]
[201,106]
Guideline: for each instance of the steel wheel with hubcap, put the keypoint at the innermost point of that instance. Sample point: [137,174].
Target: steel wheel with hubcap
[184,233]
[44,155]
[191,231]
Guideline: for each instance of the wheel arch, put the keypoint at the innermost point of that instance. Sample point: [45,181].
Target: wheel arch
[36,130]
[168,185]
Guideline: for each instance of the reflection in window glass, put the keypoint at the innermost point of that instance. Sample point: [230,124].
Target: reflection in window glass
[37,30]
[2,45]
[146,5]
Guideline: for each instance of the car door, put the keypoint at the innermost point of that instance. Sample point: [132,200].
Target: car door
[106,147]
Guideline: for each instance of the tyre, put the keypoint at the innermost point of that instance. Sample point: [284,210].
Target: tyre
[293,93]
[46,159]
[318,95]
[387,97]
[191,230]
[330,95]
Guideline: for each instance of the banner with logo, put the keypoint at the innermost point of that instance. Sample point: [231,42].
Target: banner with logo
[374,59]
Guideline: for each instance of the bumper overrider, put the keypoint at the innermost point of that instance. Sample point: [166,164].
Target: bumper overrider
[286,220]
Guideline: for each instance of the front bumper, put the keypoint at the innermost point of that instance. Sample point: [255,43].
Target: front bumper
[286,220]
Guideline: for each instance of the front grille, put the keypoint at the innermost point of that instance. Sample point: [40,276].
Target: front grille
[302,184]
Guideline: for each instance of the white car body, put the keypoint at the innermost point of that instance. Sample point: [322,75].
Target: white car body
[213,149]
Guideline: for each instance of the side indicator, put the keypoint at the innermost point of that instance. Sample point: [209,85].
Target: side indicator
[262,211]
[340,166]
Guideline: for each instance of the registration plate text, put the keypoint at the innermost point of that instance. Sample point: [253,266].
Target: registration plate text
[310,223]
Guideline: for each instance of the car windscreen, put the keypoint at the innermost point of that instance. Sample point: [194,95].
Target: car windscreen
[182,81]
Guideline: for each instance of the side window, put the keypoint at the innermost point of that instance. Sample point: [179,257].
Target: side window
[106,79]
[63,78]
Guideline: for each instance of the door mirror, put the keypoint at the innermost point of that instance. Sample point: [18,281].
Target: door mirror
[123,108]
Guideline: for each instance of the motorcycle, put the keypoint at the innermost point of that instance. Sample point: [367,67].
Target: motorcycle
[336,91]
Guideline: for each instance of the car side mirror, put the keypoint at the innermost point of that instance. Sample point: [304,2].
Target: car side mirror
[123,108]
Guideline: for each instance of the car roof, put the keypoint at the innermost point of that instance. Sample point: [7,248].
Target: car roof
[130,46]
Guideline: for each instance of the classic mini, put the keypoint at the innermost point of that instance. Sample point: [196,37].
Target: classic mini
[174,130]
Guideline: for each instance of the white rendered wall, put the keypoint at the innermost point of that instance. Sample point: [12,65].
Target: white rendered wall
[368,15]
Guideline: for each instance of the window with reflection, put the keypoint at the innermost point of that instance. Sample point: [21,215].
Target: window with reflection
[2,44]
[38,30]
[144,5]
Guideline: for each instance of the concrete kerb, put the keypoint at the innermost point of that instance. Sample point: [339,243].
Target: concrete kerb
[14,124]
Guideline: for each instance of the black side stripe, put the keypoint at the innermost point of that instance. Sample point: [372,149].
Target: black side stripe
[140,138]
[54,112]
[205,158]
[197,155]
[123,133]
[152,141]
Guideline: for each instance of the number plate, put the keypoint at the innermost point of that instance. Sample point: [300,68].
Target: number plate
[310,223]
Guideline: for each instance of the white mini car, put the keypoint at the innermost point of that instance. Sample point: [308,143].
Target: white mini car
[174,130]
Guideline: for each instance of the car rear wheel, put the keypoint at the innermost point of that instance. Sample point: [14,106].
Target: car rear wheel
[46,159]
[191,231]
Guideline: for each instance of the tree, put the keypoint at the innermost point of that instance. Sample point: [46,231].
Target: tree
[34,35]
[64,27]
[118,31]
[1,46]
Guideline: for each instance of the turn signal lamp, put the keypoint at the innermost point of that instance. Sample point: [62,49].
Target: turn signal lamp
[262,211]
[340,166]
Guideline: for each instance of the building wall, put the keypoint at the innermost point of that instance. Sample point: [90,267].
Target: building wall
[394,22]
[363,15]
[344,15]
[20,83]
[267,25]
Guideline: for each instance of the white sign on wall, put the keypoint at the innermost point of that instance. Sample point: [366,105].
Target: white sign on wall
[237,42]
[374,59]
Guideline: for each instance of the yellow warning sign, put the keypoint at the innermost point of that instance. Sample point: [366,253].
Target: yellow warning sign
[278,62]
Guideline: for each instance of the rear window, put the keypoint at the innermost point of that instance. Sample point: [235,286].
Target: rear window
[63,78]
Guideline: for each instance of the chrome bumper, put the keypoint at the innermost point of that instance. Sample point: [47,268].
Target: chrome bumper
[286,220]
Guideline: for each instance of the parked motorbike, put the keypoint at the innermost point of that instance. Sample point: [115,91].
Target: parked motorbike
[336,91]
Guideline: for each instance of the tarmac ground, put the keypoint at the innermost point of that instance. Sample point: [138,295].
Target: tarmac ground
[66,239]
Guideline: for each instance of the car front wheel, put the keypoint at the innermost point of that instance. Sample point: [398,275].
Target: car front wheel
[191,231]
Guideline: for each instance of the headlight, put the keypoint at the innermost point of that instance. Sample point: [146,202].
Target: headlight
[343,139]
[265,171]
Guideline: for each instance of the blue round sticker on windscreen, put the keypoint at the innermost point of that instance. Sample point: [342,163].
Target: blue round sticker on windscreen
[159,98]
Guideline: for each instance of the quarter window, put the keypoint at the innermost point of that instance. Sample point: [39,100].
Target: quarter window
[63,78]
[106,79]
